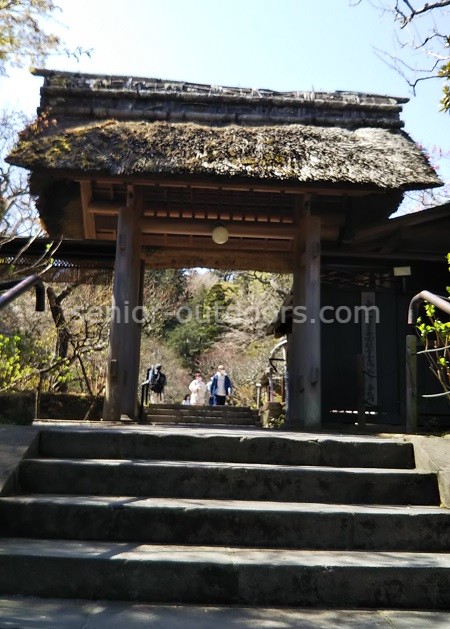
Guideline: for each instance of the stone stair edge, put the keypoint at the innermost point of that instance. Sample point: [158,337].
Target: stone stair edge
[225,407]
[211,575]
[116,551]
[222,481]
[232,465]
[208,431]
[199,504]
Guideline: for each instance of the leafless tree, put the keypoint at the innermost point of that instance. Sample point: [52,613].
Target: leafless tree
[18,216]
[422,41]
[24,38]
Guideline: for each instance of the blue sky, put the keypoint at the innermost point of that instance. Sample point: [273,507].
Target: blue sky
[276,44]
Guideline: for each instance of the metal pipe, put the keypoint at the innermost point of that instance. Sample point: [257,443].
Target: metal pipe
[21,286]
[440,302]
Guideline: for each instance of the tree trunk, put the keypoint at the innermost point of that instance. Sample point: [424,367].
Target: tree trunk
[62,333]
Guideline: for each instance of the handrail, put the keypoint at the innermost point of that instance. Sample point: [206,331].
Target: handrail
[443,304]
[15,288]
[436,300]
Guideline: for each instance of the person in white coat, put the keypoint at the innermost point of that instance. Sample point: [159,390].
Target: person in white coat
[198,390]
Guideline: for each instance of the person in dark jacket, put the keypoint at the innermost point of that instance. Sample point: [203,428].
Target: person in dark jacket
[156,381]
[220,386]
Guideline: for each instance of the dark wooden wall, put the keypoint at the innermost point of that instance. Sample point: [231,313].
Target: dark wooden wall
[342,342]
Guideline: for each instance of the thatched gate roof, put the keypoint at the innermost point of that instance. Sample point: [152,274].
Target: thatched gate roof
[119,126]
[200,154]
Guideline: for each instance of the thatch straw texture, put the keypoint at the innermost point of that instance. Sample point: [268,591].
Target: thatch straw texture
[297,153]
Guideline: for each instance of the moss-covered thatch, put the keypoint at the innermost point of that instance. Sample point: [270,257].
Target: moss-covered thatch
[301,153]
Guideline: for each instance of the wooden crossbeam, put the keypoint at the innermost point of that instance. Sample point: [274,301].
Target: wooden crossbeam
[265,230]
[203,227]
[269,261]
[201,242]
[223,184]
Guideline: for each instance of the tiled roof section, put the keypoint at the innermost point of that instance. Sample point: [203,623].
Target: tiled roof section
[72,95]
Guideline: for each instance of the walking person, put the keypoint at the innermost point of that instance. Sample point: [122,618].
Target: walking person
[220,386]
[156,382]
[198,390]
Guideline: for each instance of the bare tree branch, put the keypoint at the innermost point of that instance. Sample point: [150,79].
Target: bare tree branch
[426,8]
[421,36]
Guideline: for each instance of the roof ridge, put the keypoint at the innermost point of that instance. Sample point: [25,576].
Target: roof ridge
[126,83]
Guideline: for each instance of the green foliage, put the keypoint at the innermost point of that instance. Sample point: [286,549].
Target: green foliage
[190,339]
[444,73]
[199,323]
[18,356]
[22,356]
[10,366]
[277,422]
[435,334]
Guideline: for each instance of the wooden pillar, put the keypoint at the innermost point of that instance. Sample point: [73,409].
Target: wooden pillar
[290,371]
[135,345]
[304,394]
[124,341]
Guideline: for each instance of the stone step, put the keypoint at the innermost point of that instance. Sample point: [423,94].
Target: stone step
[226,523]
[205,410]
[203,407]
[190,418]
[228,481]
[208,411]
[194,414]
[228,411]
[237,447]
[217,575]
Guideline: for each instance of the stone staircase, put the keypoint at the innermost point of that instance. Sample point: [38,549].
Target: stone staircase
[204,415]
[173,514]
